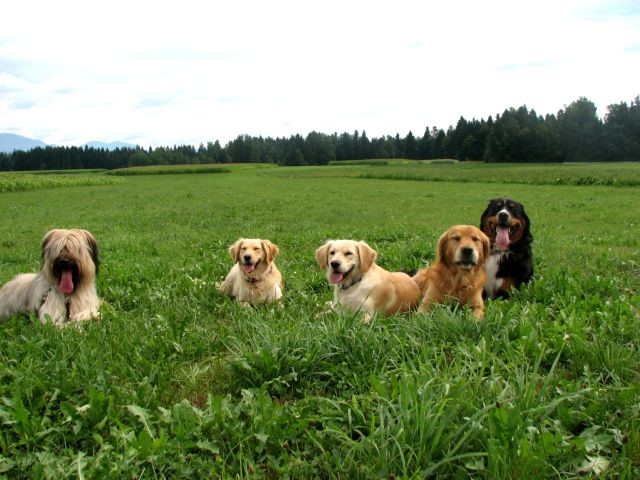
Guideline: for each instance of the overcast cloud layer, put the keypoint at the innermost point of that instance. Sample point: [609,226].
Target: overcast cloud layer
[168,73]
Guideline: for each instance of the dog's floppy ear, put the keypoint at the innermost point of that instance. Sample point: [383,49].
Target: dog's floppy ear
[322,255]
[442,248]
[367,255]
[485,214]
[486,246]
[45,243]
[526,235]
[271,249]
[46,239]
[234,249]
[94,250]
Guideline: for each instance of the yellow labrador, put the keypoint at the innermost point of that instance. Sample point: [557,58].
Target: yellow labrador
[361,284]
[254,278]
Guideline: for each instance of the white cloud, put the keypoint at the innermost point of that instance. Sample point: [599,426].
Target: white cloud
[163,73]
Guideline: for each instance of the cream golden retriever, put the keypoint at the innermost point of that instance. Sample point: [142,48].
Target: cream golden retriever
[360,284]
[64,290]
[458,274]
[254,278]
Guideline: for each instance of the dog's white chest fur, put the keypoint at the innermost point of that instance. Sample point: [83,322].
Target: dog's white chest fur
[351,298]
[493,283]
[259,292]
[357,296]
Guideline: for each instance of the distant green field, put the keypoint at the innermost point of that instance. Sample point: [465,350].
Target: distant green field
[615,174]
[83,171]
[177,381]
[391,161]
[19,181]
[197,168]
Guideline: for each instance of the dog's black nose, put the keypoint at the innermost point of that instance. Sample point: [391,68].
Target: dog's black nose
[503,216]
[247,258]
[335,264]
[467,251]
[65,264]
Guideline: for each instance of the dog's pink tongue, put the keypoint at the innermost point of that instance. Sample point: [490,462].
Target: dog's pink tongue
[502,237]
[66,282]
[248,268]
[336,277]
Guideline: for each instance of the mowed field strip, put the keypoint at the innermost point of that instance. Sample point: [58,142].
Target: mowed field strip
[177,381]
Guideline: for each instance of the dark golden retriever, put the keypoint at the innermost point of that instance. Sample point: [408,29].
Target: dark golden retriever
[458,274]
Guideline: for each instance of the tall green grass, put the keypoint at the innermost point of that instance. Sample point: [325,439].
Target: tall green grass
[177,381]
[19,182]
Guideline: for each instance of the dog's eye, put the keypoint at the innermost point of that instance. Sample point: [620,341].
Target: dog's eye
[456,238]
[475,239]
[332,252]
[348,254]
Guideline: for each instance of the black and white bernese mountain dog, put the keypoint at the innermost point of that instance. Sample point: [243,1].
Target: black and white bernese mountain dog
[510,264]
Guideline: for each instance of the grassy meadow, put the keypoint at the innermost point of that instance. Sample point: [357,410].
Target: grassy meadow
[177,381]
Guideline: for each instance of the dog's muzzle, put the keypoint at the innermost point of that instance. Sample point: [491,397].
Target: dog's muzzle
[504,230]
[248,266]
[467,258]
[67,273]
[336,275]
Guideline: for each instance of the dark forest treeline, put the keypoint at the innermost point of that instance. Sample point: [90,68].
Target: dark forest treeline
[575,133]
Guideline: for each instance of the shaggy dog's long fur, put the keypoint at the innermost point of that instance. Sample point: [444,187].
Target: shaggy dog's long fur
[254,278]
[458,273]
[510,265]
[64,290]
[362,285]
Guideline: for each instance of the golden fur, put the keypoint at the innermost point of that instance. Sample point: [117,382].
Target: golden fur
[360,284]
[458,274]
[64,290]
[254,278]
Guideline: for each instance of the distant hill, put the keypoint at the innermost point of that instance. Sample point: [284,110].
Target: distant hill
[10,142]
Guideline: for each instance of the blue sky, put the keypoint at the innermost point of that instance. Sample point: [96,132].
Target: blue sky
[165,73]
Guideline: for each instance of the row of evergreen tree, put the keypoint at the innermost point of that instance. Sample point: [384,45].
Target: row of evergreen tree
[575,133]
